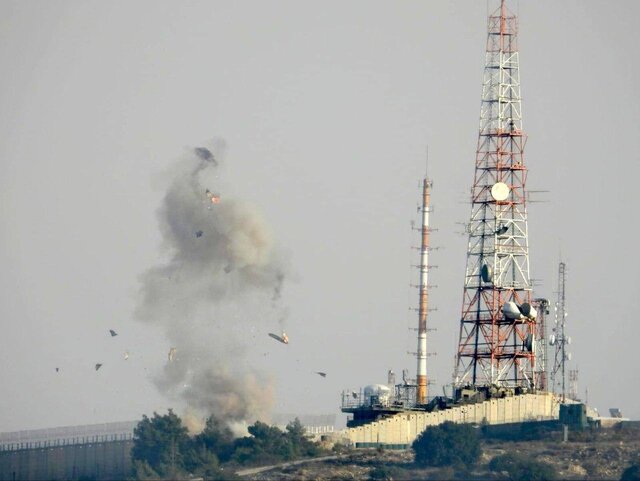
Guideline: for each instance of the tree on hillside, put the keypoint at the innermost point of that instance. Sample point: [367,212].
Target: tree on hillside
[160,442]
[268,444]
[199,461]
[217,438]
[446,445]
[297,437]
[142,470]
[521,468]
[632,473]
[265,445]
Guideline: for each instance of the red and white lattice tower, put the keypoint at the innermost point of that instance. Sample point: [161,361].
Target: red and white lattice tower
[421,378]
[498,324]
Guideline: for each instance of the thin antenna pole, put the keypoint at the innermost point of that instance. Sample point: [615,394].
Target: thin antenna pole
[563,313]
[426,164]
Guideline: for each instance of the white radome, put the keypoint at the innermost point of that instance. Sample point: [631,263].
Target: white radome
[500,191]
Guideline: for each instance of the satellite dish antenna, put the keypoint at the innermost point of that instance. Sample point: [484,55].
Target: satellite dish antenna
[500,191]
[486,273]
[511,311]
[528,342]
[528,311]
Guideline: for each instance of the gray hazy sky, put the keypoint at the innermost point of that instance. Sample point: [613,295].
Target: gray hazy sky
[327,109]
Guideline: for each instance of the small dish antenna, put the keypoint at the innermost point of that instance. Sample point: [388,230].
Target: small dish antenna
[500,191]
[485,272]
[528,342]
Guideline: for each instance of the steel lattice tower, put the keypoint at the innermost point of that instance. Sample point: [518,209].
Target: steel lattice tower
[541,344]
[498,325]
[559,338]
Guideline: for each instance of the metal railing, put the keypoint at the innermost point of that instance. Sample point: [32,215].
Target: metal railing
[66,436]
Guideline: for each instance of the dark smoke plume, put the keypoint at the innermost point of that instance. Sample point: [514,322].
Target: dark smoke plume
[205,154]
[222,268]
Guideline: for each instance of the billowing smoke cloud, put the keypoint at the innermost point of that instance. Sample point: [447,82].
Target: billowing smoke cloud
[222,269]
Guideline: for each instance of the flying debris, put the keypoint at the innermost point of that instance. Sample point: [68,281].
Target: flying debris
[284,339]
[214,198]
[323,374]
[228,269]
[199,233]
[57,369]
[205,154]
[172,354]
[354,394]
[126,355]
[113,333]
[98,366]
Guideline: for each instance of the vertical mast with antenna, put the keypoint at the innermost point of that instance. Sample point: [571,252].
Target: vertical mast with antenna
[560,339]
[421,395]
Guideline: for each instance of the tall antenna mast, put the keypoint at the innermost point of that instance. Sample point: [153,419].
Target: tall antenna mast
[421,394]
[559,339]
[540,344]
[498,323]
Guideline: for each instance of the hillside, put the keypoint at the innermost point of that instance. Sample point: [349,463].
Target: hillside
[600,456]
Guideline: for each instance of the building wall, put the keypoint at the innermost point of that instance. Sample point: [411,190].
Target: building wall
[403,428]
[100,461]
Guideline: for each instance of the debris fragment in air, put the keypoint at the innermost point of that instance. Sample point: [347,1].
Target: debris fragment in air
[199,233]
[172,354]
[98,366]
[323,374]
[57,369]
[126,355]
[113,333]
[284,339]
[214,198]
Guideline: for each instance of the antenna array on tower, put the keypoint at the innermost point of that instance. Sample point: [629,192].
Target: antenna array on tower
[498,327]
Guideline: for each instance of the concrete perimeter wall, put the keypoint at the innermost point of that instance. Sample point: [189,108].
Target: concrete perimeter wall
[404,428]
[108,460]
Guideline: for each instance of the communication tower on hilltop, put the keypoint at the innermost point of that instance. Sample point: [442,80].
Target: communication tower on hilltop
[540,343]
[559,339]
[421,378]
[498,324]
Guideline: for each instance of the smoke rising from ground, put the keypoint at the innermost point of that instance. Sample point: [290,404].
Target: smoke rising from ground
[221,264]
